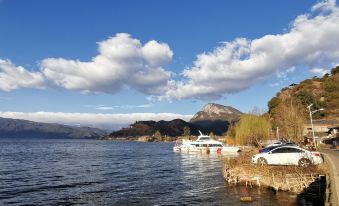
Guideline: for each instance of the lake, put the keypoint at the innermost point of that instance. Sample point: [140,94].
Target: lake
[95,172]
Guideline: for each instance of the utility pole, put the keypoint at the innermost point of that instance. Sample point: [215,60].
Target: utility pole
[312,112]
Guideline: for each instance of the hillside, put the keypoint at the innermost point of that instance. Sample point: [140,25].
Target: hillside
[23,128]
[216,117]
[321,92]
[148,128]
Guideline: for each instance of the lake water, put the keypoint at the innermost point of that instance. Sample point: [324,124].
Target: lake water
[67,172]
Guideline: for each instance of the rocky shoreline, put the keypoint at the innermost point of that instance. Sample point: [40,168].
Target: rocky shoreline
[297,180]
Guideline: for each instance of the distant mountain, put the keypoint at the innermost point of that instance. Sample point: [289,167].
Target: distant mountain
[213,118]
[148,128]
[24,128]
[216,117]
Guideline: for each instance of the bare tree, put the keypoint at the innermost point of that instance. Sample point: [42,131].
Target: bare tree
[289,116]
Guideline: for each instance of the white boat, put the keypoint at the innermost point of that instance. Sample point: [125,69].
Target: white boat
[204,143]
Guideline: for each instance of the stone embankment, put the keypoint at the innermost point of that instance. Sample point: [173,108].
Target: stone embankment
[284,178]
[293,181]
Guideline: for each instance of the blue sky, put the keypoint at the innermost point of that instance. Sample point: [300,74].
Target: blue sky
[50,48]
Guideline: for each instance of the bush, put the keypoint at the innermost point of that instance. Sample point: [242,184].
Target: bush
[331,85]
[335,70]
[273,103]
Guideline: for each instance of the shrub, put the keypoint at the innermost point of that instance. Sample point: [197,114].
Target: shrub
[273,103]
[335,70]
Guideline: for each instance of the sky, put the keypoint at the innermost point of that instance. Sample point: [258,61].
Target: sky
[107,63]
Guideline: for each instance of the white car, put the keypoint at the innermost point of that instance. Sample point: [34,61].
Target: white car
[288,155]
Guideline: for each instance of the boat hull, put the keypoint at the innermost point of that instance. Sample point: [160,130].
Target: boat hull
[206,150]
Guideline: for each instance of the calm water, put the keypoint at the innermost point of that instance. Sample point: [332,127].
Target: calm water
[66,172]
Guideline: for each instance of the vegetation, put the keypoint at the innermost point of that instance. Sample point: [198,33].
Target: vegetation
[24,128]
[187,131]
[288,109]
[157,134]
[290,118]
[273,103]
[287,178]
[335,70]
[252,129]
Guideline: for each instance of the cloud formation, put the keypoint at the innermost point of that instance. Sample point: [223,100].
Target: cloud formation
[13,77]
[122,62]
[320,71]
[311,41]
[98,120]
[105,107]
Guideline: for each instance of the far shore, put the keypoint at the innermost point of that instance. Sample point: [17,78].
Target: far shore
[158,139]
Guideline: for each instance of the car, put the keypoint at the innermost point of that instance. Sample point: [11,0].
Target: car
[288,155]
[280,143]
[273,146]
[267,149]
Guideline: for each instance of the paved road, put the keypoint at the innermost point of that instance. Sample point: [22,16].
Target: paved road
[332,156]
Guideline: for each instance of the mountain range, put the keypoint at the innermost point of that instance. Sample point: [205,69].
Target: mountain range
[171,128]
[23,128]
[212,118]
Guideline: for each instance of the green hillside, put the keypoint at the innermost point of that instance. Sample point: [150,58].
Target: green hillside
[321,92]
[288,109]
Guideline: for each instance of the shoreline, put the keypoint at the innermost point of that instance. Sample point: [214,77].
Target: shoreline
[292,179]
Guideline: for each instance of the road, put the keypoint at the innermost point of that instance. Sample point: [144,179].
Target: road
[332,157]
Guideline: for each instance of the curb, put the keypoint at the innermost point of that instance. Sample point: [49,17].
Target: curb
[334,182]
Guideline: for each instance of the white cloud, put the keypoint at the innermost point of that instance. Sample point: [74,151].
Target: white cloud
[13,77]
[122,62]
[276,84]
[320,71]
[98,120]
[283,75]
[104,107]
[311,41]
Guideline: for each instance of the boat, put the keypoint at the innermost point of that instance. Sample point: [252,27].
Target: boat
[204,143]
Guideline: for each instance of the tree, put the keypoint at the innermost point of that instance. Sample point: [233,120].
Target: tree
[290,117]
[231,131]
[230,135]
[306,98]
[157,134]
[187,131]
[335,70]
[252,129]
[273,103]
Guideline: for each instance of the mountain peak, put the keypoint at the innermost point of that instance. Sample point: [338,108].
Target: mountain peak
[216,116]
[212,108]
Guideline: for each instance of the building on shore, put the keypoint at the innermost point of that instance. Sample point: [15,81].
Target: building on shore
[321,127]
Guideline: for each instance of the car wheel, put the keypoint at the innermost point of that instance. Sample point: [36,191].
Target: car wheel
[304,162]
[261,161]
